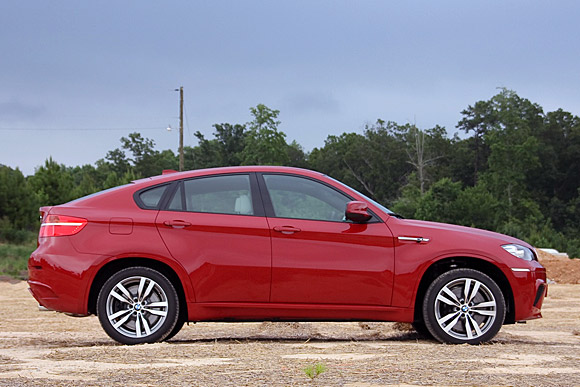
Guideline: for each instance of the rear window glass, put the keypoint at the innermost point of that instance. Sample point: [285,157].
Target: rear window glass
[151,197]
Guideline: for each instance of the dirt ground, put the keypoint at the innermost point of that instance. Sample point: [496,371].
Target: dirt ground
[48,348]
[560,269]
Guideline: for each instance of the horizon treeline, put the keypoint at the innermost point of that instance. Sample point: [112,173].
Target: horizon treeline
[515,171]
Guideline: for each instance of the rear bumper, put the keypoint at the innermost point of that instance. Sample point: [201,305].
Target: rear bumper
[59,281]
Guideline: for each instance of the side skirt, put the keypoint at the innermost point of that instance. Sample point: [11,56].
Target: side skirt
[226,311]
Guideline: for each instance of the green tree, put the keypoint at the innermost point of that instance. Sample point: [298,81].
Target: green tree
[18,206]
[439,203]
[264,143]
[205,155]
[145,157]
[118,161]
[223,150]
[479,119]
[230,139]
[53,183]
[87,180]
[296,155]
[513,151]
[374,163]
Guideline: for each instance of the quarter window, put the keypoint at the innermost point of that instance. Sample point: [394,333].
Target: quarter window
[151,197]
[228,194]
[301,198]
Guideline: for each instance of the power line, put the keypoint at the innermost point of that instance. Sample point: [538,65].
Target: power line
[76,129]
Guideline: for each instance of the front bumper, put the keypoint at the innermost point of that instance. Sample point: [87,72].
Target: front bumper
[529,288]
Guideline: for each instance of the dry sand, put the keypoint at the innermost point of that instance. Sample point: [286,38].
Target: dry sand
[48,348]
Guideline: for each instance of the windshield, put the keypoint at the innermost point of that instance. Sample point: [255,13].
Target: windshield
[379,205]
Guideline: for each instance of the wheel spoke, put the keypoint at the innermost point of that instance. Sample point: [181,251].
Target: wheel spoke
[156,312]
[446,318]
[120,297]
[146,325]
[484,312]
[160,304]
[487,304]
[120,313]
[473,292]
[452,295]
[446,300]
[468,329]
[124,291]
[475,325]
[452,323]
[466,288]
[138,325]
[141,286]
[149,288]
[121,321]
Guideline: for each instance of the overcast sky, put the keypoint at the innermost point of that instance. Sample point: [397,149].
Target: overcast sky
[77,76]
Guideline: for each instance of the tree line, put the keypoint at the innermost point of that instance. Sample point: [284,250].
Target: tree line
[515,169]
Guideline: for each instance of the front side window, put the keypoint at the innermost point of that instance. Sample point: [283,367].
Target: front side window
[228,194]
[302,198]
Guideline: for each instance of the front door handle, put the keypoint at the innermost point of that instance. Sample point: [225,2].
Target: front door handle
[286,229]
[176,223]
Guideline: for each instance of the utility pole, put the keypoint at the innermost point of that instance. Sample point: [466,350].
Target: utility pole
[180,129]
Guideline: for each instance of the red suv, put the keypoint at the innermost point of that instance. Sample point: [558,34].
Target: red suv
[273,243]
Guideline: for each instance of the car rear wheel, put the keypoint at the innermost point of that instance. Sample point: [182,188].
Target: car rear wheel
[463,306]
[138,305]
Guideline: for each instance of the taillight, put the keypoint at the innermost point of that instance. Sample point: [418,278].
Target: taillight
[61,225]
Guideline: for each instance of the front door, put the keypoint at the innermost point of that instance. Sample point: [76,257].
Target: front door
[317,256]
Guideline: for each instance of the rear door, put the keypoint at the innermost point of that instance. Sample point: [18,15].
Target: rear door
[214,226]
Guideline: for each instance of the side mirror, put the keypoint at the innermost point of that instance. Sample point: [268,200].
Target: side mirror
[357,212]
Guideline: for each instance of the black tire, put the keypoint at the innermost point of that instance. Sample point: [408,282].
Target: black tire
[464,306]
[138,305]
[180,322]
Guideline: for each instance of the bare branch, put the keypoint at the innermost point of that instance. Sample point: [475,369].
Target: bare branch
[360,180]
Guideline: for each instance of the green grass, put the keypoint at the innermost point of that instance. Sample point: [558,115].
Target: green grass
[14,259]
[313,371]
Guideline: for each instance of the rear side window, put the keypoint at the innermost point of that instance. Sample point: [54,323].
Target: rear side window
[151,198]
[229,194]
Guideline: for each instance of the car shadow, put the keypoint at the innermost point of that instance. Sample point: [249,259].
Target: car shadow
[393,337]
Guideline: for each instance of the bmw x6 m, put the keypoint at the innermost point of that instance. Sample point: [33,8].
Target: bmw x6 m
[273,243]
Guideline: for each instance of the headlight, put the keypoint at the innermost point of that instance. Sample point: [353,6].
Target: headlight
[520,252]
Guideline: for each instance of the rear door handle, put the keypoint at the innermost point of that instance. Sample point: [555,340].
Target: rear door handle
[286,229]
[176,223]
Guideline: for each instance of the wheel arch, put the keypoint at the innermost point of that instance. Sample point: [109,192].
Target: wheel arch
[119,264]
[486,267]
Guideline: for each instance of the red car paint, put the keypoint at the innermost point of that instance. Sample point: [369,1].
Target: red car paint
[261,266]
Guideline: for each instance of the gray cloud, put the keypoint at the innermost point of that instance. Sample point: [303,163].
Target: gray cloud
[15,110]
[311,103]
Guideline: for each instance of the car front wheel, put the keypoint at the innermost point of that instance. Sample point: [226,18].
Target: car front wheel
[138,305]
[463,306]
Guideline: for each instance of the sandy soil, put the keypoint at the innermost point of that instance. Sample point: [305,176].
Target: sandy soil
[560,269]
[47,348]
